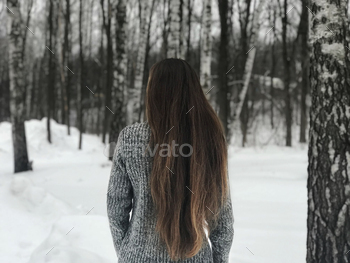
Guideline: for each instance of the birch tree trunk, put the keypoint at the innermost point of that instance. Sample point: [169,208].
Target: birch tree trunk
[135,92]
[188,40]
[17,85]
[249,63]
[205,58]
[142,112]
[328,222]
[120,65]
[175,34]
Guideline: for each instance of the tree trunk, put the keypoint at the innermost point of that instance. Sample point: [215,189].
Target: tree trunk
[205,58]
[189,17]
[175,43]
[142,112]
[273,66]
[250,61]
[68,64]
[120,64]
[62,66]
[222,94]
[82,76]
[135,92]
[328,222]
[286,66]
[109,79]
[51,75]
[17,86]
[304,26]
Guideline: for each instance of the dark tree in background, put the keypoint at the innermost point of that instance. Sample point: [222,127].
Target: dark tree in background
[86,66]
[223,66]
[304,32]
[82,75]
[287,78]
[17,85]
[107,24]
[50,99]
[67,64]
[328,222]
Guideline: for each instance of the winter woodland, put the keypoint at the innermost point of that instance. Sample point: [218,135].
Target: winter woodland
[73,74]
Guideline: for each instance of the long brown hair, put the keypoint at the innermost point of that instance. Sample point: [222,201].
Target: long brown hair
[188,192]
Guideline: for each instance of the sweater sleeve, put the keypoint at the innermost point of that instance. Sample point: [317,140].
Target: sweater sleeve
[221,237]
[119,195]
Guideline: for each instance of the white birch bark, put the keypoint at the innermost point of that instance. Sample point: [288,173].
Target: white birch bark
[17,85]
[135,92]
[206,45]
[250,61]
[328,238]
[119,72]
[175,33]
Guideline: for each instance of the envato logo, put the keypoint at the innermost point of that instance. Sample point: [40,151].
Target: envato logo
[165,149]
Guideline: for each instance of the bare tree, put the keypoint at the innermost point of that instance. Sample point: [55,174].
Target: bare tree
[287,78]
[175,43]
[328,222]
[120,64]
[17,85]
[273,18]
[221,98]
[304,32]
[206,44]
[146,66]
[249,62]
[135,91]
[82,75]
[66,62]
[107,23]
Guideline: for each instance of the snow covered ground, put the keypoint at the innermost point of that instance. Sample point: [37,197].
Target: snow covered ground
[57,213]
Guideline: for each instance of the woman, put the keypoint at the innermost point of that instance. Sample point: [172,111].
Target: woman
[172,172]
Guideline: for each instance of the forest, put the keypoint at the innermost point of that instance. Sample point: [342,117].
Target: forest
[74,73]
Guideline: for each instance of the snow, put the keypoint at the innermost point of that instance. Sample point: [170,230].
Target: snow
[57,213]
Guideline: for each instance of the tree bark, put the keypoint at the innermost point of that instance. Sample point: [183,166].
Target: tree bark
[175,34]
[109,79]
[250,61]
[51,75]
[67,63]
[188,42]
[273,66]
[206,45]
[17,86]
[135,92]
[142,111]
[328,221]
[222,94]
[286,66]
[304,31]
[120,64]
[82,76]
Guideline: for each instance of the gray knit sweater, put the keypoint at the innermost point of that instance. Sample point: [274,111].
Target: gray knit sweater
[135,240]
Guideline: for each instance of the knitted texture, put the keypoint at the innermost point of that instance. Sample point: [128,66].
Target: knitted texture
[135,239]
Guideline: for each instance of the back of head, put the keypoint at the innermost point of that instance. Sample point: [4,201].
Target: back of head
[189,178]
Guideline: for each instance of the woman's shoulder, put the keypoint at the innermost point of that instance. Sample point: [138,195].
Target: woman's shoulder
[135,130]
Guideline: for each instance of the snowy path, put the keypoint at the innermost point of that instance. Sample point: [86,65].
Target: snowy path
[57,213]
